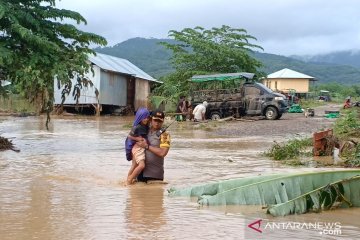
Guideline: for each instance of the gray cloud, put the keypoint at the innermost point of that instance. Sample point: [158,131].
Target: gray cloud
[281,26]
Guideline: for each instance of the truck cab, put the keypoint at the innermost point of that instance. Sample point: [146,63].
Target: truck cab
[249,99]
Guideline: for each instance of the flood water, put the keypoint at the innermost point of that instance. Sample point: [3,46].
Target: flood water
[67,183]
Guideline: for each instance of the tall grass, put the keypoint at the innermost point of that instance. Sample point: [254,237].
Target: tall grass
[348,125]
[347,128]
[15,103]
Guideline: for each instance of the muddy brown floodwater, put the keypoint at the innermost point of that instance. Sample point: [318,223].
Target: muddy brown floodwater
[66,183]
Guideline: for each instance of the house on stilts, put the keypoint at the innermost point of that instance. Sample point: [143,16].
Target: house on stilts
[121,87]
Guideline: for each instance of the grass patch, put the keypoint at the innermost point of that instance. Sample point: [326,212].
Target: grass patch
[347,128]
[292,150]
[311,103]
[349,125]
[352,157]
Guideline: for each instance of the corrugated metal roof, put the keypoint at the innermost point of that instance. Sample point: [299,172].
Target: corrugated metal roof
[288,73]
[120,65]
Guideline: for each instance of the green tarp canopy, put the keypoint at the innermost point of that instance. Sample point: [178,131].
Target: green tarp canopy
[222,77]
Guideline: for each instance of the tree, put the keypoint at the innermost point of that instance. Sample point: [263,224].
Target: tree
[338,90]
[202,51]
[36,45]
[218,50]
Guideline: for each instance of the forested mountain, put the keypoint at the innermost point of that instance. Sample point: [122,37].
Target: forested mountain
[351,58]
[147,54]
[323,72]
[154,59]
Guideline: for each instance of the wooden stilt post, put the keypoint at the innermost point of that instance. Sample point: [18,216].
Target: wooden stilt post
[98,109]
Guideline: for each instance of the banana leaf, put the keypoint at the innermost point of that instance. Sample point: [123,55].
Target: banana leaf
[321,198]
[218,187]
[277,189]
[157,100]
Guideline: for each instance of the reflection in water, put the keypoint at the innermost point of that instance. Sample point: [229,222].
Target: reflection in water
[64,184]
[144,210]
[39,211]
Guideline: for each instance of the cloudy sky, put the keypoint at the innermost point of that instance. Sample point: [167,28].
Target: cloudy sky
[283,27]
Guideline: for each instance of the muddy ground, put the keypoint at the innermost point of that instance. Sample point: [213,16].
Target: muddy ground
[288,124]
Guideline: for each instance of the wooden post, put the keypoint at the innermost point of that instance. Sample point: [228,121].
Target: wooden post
[98,109]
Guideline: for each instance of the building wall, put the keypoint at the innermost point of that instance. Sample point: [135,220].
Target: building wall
[113,88]
[87,95]
[142,91]
[283,84]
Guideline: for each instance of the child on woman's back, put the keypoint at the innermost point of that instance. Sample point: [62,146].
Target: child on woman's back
[135,153]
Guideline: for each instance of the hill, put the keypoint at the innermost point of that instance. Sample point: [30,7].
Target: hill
[349,57]
[323,72]
[154,59]
[147,54]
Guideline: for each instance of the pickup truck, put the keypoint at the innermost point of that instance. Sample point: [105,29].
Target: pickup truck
[249,99]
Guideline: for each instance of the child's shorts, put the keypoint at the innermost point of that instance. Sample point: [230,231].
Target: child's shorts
[138,154]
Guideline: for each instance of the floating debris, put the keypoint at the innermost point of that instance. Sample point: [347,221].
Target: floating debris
[6,144]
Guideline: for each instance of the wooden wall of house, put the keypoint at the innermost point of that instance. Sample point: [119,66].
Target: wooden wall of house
[142,91]
[284,84]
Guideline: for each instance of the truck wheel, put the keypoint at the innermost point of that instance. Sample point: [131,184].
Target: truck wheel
[271,113]
[215,116]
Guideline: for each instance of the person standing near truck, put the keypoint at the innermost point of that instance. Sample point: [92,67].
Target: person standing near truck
[181,109]
[189,113]
[347,103]
[199,112]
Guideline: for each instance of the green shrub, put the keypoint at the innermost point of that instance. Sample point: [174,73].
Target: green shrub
[348,125]
[291,150]
[352,157]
